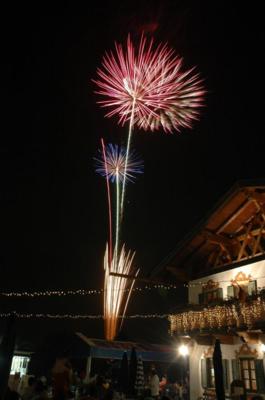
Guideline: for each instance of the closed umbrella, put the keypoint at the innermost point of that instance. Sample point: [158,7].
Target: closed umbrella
[218,371]
[139,381]
[132,371]
[123,382]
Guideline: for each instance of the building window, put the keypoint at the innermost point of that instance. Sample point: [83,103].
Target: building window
[210,373]
[211,296]
[248,373]
[19,365]
[251,371]
[207,373]
[250,288]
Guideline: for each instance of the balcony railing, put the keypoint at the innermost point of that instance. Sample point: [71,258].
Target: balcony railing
[233,313]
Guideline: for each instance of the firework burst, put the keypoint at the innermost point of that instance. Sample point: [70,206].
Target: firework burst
[112,166]
[148,87]
[183,110]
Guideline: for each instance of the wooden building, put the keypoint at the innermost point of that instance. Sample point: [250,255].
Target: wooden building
[222,262]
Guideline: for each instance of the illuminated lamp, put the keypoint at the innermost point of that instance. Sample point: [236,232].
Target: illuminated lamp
[183,350]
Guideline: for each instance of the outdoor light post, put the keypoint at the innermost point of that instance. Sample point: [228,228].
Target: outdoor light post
[183,350]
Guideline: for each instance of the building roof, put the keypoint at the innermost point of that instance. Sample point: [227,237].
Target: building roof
[232,233]
[114,350]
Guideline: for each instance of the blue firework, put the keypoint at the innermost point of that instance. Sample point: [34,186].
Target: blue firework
[112,166]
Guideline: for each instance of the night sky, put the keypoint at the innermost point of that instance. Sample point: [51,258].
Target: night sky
[53,205]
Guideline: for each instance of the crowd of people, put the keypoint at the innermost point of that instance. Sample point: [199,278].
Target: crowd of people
[33,389]
[64,384]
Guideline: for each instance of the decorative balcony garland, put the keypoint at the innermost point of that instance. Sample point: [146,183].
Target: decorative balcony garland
[228,314]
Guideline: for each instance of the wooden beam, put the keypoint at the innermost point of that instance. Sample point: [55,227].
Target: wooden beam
[257,240]
[218,239]
[224,243]
[258,199]
[254,232]
[255,196]
[234,216]
[216,264]
[245,242]
[225,339]
[204,340]
[250,337]
[226,252]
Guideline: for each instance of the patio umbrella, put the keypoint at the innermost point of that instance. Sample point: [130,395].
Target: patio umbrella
[139,381]
[218,371]
[123,381]
[132,371]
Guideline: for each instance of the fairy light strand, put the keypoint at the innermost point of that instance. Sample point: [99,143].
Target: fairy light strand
[81,292]
[212,317]
[88,292]
[76,316]
[229,315]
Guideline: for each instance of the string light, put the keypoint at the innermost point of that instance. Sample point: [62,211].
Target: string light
[221,316]
[76,316]
[231,314]
[81,292]
[87,292]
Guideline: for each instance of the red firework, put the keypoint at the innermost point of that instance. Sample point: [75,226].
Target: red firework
[147,86]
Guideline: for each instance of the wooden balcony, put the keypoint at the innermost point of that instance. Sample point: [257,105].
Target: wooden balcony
[225,316]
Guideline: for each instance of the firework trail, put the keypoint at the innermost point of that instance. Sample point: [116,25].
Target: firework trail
[109,198]
[112,165]
[117,290]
